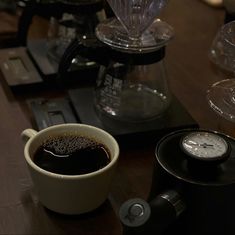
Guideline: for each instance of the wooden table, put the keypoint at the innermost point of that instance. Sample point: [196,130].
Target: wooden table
[190,75]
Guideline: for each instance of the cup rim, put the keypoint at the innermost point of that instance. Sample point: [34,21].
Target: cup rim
[71,177]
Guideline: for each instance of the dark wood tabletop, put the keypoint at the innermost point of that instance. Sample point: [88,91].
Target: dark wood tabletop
[190,75]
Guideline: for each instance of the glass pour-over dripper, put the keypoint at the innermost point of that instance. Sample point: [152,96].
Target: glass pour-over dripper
[136,27]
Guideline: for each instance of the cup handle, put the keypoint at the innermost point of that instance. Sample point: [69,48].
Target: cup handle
[27,134]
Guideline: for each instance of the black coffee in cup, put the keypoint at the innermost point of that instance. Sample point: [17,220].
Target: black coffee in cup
[71,154]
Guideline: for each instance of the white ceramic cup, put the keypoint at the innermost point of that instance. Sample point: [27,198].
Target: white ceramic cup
[70,194]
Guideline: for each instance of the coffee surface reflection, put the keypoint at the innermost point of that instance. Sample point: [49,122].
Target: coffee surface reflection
[71,154]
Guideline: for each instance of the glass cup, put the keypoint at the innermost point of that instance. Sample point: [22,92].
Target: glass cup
[221,95]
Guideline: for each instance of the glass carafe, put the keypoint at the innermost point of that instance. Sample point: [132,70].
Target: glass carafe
[131,87]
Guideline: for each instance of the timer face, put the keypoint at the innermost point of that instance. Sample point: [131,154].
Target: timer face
[205,145]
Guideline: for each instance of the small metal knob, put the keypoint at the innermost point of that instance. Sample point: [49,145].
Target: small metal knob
[134,212]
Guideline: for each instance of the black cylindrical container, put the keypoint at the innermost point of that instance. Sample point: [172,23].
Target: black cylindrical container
[208,192]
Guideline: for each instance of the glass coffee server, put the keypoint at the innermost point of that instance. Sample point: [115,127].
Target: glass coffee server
[132,81]
[138,89]
[221,95]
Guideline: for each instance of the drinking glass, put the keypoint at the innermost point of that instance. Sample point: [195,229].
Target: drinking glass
[221,95]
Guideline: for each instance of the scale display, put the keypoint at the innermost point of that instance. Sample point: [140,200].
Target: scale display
[17,68]
[17,65]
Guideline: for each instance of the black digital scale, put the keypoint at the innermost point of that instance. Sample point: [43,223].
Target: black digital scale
[78,107]
[29,67]
[24,68]
[17,68]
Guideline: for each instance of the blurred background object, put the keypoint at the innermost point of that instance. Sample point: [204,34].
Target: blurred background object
[9,16]
[8,6]
[214,3]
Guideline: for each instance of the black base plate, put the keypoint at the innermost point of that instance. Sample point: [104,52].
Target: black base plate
[79,108]
[175,117]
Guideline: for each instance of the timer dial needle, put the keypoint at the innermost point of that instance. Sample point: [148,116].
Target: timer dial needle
[204,145]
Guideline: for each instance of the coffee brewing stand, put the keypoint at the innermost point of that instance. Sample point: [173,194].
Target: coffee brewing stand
[28,68]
